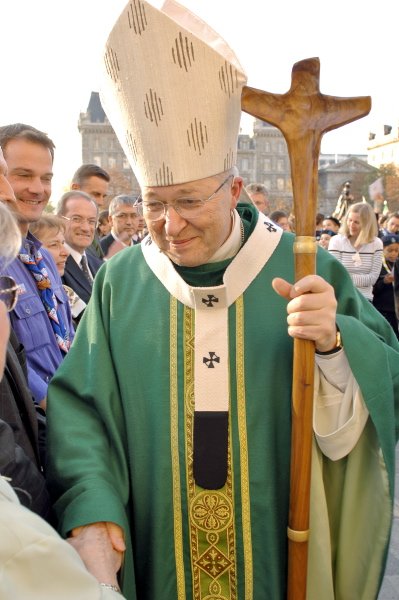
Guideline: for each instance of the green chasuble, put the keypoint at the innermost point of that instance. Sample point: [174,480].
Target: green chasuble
[120,429]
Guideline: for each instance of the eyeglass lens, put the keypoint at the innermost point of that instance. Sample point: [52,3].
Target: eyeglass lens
[8,292]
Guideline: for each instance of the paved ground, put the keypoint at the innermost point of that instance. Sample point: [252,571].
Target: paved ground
[390,586]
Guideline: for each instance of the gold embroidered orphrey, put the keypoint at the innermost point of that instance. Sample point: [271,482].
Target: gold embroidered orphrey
[211,515]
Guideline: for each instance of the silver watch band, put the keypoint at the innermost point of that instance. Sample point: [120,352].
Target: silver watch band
[109,586]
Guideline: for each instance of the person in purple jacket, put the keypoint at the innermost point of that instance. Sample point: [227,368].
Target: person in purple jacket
[41,318]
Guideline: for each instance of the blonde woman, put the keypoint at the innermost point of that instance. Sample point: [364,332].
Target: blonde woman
[359,248]
[50,230]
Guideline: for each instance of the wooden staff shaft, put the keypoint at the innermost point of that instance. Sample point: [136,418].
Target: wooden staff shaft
[303,114]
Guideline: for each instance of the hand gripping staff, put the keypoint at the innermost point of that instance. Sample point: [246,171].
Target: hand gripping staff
[303,115]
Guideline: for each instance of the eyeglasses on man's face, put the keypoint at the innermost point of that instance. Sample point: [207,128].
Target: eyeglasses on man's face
[76,220]
[8,292]
[125,216]
[188,208]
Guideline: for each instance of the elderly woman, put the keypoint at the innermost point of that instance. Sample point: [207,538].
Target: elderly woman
[358,248]
[50,230]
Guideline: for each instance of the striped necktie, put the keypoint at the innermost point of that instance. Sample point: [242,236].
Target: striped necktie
[85,269]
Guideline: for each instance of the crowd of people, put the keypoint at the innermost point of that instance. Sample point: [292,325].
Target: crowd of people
[365,242]
[146,361]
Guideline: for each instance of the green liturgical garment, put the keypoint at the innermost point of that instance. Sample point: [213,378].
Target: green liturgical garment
[121,413]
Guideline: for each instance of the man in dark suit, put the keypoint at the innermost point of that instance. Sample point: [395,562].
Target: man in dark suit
[124,221]
[80,213]
[95,181]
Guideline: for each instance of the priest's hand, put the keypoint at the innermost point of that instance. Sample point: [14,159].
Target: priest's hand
[101,547]
[311,309]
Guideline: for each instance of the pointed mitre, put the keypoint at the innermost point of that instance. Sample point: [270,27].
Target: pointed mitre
[172,92]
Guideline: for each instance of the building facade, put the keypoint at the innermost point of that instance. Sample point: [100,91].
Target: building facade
[101,147]
[383,146]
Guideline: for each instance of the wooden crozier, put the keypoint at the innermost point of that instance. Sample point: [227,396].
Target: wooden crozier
[303,115]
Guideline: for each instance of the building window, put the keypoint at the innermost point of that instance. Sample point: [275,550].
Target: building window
[267,165]
[267,147]
[280,184]
[244,164]
[281,148]
[126,164]
[268,184]
[111,162]
[97,160]
[280,165]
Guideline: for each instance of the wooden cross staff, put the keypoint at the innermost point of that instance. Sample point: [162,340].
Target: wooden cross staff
[303,115]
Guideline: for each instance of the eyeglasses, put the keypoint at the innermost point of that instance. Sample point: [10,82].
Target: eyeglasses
[188,208]
[126,216]
[80,220]
[8,292]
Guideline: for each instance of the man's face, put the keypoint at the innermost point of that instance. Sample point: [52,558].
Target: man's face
[393,225]
[261,203]
[193,242]
[81,219]
[328,224]
[30,172]
[97,188]
[6,191]
[125,222]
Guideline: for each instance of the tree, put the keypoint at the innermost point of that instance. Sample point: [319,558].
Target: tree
[390,177]
[121,183]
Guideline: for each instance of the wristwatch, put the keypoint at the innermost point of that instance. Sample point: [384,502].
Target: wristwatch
[338,345]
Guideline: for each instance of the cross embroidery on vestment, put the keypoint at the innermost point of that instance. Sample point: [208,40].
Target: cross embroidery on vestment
[210,300]
[270,226]
[213,358]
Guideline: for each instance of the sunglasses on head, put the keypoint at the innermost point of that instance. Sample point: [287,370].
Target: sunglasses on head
[8,292]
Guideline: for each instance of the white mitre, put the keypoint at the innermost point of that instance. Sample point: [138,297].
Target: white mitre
[172,92]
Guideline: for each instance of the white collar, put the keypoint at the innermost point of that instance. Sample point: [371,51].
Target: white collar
[119,240]
[239,274]
[233,243]
[211,304]
[77,256]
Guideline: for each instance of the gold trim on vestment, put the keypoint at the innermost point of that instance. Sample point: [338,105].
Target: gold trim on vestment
[174,435]
[244,463]
[211,519]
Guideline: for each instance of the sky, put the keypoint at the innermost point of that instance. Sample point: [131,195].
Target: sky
[51,53]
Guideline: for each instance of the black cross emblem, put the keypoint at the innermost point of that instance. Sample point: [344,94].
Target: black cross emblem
[270,226]
[210,300]
[212,359]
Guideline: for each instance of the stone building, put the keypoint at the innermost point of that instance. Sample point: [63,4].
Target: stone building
[383,146]
[333,176]
[101,147]
[263,158]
